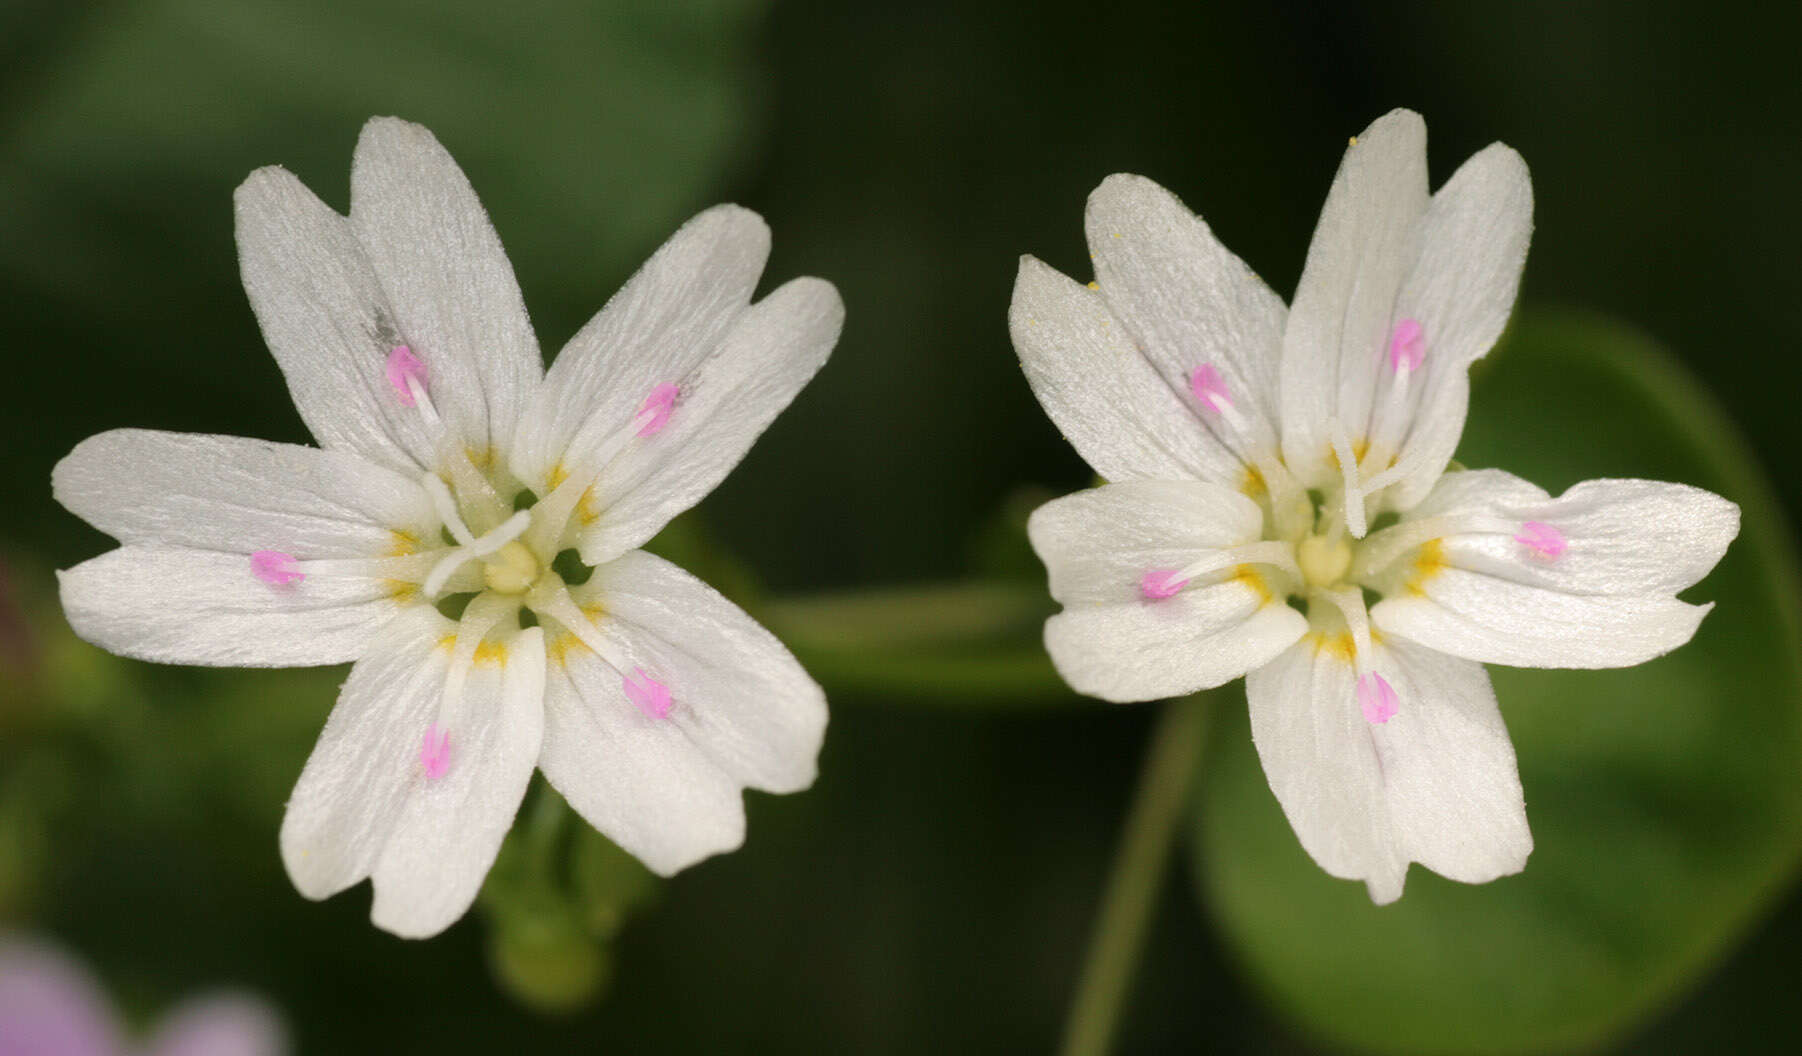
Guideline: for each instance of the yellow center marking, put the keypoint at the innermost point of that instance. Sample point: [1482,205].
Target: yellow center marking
[1249,577]
[486,652]
[1252,483]
[1339,646]
[585,507]
[1429,562]
[1359,448]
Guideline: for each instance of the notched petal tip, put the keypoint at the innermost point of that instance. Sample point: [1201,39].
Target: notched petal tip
[1387,890]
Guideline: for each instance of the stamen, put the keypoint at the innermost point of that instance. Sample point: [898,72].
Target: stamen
[407,374]
[1161,583]
[1407,346]
[434,752]
[1376,698]
[1353,496]
[1210,388]
[549,597]
[447,508]
[1542,540]
[651,696]
[275,568]
[447,566]
[658,406]
[1350,603]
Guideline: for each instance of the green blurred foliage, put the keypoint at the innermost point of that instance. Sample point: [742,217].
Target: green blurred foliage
[1663,798]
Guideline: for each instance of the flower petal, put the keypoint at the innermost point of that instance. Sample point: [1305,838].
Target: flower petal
[1338,325]
[667,320]
[455,299]
[1603,599]
[1448,769]
[231,494]
[1185,299]
[740,696]
[326,319]
[1461,291]
[366,761]
[1494,621]
[1098,545]
[1434,783]
[720,409]
[51,1006]
[1203,636]
[178,606]
[226,1024]
[1111,403]
[1323,766]
[637,779]
[450,827]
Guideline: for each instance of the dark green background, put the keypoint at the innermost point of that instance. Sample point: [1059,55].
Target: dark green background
[933,892]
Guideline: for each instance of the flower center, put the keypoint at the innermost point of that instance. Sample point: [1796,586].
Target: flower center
[1324,560]
[511,569]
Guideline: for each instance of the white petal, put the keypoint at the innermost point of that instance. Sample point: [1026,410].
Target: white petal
[1323,766]
[1624,537]
[232,494]
[724,404]
[1113,406]
[637,779]
[449,829]
[1436,783]
[664,323]
[1202,637]
[1338,324]
[1448,768]
[1461,290]
[740,697]
[366,761]
[1481,617]
[202,607]
[1097,545]
[1185,299]
[225,1024]
[326,319]
[454,296]
[1605,601]
[743,713]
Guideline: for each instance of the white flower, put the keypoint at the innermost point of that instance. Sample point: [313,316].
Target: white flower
[452,466]
[1251,448]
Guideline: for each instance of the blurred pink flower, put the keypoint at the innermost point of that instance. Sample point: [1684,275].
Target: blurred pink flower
[51,1006]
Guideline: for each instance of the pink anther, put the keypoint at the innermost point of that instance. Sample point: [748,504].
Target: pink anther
[434,752]
[276,568]
[1407,346]
[403,367]
[1377,698]
[1161,583]
[651,696]
[1210,388]
[1544,541]
[658,405]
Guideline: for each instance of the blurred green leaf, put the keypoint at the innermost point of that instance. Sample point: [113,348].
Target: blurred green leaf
[943,645]
[1665,799]
[556,896]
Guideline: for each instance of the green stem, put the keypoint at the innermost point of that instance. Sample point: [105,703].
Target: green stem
[1171,764]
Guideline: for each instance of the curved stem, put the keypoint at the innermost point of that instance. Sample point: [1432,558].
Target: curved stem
[1137,879]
